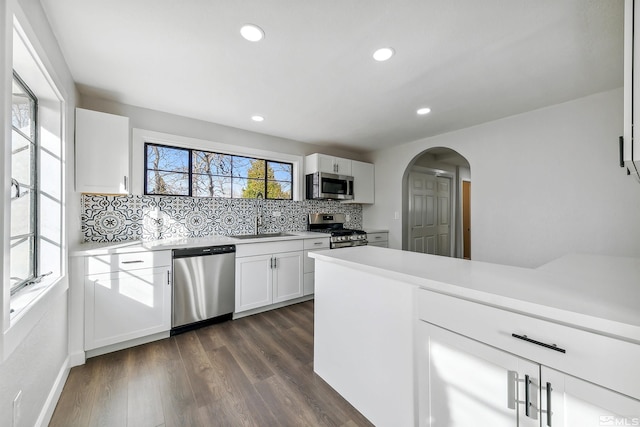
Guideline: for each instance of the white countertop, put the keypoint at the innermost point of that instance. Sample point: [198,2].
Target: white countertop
[177,243]
[596,293]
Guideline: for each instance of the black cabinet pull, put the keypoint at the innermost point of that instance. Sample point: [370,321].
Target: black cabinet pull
[621,142]
[549,346]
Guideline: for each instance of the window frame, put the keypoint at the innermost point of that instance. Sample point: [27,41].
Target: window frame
[191,173]
[35,184]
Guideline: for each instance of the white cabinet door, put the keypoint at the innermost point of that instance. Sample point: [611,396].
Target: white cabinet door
[287,276]
[124,305]
[102,153]
[323,163]
[463,382]
[254,282]
[363,182]
[342,166]
[575,402]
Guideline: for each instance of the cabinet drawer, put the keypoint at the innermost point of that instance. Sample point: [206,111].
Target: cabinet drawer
[126,261]
[597,358]
[316,243]
[377,237]
[252,249]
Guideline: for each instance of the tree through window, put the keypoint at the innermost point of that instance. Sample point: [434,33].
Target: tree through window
[188,172]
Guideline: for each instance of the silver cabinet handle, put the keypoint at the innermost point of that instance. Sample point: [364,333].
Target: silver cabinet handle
[169,277]
[512,380]
[275,262]
[318,243]
[549,390]
[126,188]
[137,261]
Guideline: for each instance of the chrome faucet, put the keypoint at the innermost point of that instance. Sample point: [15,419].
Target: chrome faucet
[258,222]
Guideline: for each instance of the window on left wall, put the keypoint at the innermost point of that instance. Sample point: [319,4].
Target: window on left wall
[24,186]
[35,172]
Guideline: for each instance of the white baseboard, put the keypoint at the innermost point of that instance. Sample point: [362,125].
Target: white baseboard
[77,359]
[272,307]
[52,399]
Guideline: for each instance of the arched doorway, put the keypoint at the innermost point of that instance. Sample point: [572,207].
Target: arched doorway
[437,204]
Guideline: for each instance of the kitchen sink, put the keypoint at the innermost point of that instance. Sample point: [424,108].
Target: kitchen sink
[261,236]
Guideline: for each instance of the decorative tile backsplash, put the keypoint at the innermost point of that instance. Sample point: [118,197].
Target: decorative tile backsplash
[122,218]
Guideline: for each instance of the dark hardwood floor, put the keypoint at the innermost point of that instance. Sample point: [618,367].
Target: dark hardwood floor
[255,371]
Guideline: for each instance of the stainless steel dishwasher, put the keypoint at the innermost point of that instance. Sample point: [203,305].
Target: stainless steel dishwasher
[203,286]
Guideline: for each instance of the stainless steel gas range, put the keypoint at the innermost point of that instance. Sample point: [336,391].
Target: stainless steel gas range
[334,224]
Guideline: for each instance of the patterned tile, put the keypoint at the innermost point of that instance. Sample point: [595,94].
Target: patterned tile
[122,218]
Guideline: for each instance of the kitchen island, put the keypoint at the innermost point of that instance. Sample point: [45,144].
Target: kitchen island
[374,308]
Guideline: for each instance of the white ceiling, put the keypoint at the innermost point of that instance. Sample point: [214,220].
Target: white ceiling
[313,77]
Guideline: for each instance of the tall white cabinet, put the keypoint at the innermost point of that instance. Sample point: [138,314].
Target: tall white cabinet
[102,153]
[632,85]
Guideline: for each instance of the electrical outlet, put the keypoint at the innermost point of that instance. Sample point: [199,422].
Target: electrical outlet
[16,408]
[276,214]
[347,217]
[396,215]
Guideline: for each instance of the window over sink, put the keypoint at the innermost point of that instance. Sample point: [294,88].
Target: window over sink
[180,171]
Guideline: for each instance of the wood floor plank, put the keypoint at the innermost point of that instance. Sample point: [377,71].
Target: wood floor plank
[110,404]
[204,383]
[76,401]
[246,354]
[248,408]
[178,401]
[144,402]
[283,401]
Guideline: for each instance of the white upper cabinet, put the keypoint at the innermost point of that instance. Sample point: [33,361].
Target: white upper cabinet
[632,85]
[362,173]
[323,163]
[363,182]
[102,153]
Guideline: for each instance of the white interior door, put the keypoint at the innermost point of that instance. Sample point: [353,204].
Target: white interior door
[429,213]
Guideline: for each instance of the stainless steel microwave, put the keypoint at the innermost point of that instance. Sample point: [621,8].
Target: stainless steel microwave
[322,185]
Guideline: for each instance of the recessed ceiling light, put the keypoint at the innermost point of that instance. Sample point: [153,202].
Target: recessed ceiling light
[423,111]
[257,118]
[383,54]
[251,32]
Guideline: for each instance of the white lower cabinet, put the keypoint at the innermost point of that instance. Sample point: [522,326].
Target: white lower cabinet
[132,299]
[463,381]
[264,279]
[380,239]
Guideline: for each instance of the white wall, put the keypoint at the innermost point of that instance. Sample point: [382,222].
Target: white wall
[39,362]
[544,183]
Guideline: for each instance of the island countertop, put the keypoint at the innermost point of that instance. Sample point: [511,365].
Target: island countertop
[590,292]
